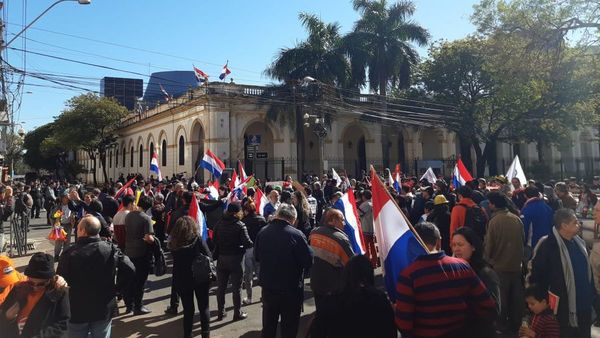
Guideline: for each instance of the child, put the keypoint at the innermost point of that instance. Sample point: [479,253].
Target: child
[542,324]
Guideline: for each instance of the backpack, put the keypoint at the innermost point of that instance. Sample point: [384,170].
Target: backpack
[203,267]
[475,219]
[20,203]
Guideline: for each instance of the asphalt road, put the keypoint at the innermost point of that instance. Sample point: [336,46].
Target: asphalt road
[156,298]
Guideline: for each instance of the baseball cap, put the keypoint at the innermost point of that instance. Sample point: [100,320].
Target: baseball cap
[8,273]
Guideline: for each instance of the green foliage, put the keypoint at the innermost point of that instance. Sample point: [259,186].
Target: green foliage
[319,56]
[381,43]
[88,123]
[40,154]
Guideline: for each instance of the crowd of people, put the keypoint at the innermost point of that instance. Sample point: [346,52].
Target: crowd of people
[502,257]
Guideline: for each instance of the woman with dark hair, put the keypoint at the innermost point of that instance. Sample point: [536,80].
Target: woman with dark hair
[587,200]
[360,303]
[231,241]
[254,222]
[467,245]
[300,203]
[185,244]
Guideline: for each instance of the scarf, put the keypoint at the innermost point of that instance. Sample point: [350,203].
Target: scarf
[568,274]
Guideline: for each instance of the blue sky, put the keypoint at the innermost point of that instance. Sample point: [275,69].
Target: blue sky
[175,34]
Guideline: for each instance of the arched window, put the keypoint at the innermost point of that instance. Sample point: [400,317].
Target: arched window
[117,158]
[151,150]
[141,155]
[163,150]
[123,157]
[181,150]
[131,156]
[110,159]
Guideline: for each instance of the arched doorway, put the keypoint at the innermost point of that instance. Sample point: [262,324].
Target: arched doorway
[258,152]
[197,139]
[355,158]
[396,150]
[430,141]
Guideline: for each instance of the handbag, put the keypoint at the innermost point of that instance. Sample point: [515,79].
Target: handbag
[203,267]
[160,263]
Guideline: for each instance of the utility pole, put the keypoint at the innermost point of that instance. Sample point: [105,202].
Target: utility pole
[5,116]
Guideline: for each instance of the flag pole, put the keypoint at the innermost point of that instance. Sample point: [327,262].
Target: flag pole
[376,177]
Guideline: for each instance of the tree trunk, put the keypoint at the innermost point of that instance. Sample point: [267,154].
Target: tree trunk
[465,152]
[93,158]
[480,161]
[103,162]
[490,155]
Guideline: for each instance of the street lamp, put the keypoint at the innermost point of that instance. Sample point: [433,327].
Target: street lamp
[81,2]
[320,129]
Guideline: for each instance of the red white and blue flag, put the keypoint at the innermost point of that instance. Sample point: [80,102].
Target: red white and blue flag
[213,190]
[195,213]
[167,96]
[347,205]
[399,246]
[461,175]
[200,75]
[212,163]
[225,71]
[154,166]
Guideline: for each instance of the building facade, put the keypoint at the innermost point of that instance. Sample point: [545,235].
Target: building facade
[232,121]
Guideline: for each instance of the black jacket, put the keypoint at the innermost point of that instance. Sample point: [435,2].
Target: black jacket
[254,223]
[440,216]
[284,254]
[182,263]
[547,273]
[48,319]
[110,206]
[230,237]
[90,266]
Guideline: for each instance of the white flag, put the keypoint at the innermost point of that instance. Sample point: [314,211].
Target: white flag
[336,177]
[429,176]
[515,170]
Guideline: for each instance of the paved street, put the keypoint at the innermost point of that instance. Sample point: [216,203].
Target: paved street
[157,324]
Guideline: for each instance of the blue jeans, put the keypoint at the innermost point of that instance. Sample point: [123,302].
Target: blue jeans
[98,329]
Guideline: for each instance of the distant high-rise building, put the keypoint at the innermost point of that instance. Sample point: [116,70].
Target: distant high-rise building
[126,91]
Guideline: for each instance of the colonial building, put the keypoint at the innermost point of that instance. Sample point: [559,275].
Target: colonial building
[231,120]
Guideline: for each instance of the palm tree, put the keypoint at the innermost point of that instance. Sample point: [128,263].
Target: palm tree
[381,44]
[320,56]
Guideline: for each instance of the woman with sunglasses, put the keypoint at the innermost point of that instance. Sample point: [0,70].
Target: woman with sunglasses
[37,307]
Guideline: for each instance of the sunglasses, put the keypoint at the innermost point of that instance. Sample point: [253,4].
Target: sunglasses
[39,284]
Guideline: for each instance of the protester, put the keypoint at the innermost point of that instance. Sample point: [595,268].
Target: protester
[562,191]
[138,236]
[254,223]
[465,207]
[438,285]
[186,244]
[365,212]
[518,193]
[119,220]
[467,245]
[440,216]
[90,266]
[273,204]
[284,255]
[362,309]
[231,241]
[300,202]
[332,251]
[542,324]
[66,222]
[504,251]
[537,218]
[37,307]
[9,277]
[560,265]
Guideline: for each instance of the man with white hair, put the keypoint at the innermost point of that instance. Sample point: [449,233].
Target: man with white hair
[283,254]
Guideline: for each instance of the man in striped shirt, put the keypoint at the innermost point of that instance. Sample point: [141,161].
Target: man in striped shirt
[439,295]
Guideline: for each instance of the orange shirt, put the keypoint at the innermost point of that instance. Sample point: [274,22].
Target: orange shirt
[32,300]
[459,214]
